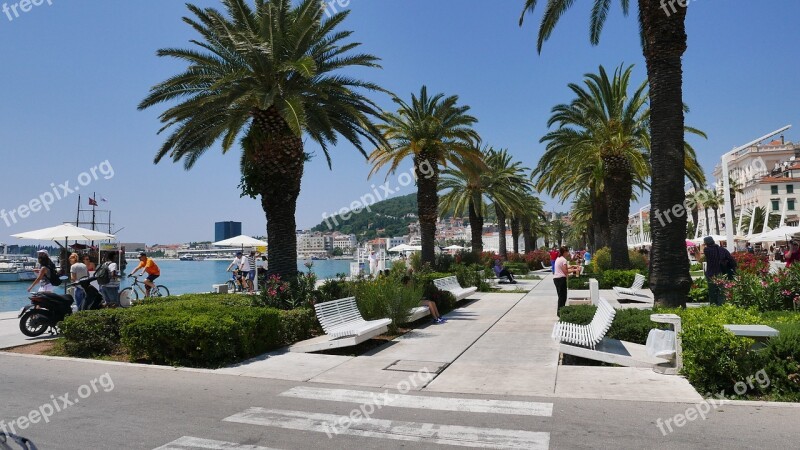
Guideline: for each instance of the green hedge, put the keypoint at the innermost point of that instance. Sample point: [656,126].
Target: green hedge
[192,330]
[607,279]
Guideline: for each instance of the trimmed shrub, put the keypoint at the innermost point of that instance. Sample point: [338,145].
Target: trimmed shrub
[578,314]
[638,261]
[631,325]
[520,268]
[386,297]
[622,278]
[200,333]
[578,282]
[89,334]
[298,325]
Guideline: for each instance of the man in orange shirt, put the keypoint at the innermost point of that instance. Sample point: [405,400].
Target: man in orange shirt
[149,266]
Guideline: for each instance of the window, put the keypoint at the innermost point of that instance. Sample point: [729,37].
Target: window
[774,190]
[790,189]
[790,205]
[775,205]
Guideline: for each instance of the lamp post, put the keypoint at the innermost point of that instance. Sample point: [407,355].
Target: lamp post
[726,185]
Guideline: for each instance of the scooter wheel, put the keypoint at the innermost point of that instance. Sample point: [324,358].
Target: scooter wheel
[33,323]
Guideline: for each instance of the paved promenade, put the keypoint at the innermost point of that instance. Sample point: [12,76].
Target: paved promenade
[498,344]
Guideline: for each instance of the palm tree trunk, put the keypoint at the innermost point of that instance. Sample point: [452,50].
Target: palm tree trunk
[501,229]
[664,45]
[618,182]
[515,234]
[716,221]
[273,168]
[590,237]
[527,234]
[427,205]
[602,232]
[476,227]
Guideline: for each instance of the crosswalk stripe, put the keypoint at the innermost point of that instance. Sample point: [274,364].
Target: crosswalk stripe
[419,402]
[191,443]
[331,425]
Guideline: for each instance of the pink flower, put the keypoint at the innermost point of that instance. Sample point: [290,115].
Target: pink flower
[763,283]
[786,293]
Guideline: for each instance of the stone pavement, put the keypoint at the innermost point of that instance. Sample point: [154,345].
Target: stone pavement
[498,344]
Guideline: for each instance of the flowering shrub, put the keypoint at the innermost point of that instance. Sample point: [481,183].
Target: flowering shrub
[764,291]
[285,295]
[536,258]
[750,263]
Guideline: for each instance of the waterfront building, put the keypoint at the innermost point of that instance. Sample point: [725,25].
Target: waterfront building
[226,230]
[313,244]
[765,176]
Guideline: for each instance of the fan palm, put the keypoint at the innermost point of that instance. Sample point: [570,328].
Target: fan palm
[432,130]
[715,200]
[758,220]
[663,38]
[267,75]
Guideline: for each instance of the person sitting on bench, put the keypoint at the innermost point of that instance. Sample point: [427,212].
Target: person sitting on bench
[501,271]
[437,318]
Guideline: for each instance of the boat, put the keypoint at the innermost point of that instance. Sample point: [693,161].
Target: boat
[186,258]
[11,272]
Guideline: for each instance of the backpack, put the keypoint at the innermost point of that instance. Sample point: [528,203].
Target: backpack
[727,264]
[52,274]
[102,274]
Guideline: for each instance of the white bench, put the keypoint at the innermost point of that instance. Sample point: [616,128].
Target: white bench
[586,335]
[594,295]
[418,313]
[759,333]
[343,326]
[638,283]
[450,284]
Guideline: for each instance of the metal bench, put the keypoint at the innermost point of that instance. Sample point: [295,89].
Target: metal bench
[450,284]
[343,326]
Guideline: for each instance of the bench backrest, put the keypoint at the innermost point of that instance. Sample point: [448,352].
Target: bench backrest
[638,281]
[446,283]
[337,312]
[602,320]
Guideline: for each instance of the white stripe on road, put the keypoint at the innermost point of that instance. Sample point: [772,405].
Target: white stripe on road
[331,425]
[191,443]
[419,402]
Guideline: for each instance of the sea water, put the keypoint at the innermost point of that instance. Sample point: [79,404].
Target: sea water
[180,277]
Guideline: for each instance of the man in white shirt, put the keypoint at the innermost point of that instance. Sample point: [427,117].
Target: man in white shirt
[243,266]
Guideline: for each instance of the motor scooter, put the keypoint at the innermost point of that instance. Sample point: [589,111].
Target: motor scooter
[48,309]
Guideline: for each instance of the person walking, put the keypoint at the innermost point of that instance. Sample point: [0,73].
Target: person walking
[77,270]
[718,262]
[553,257]
[560,275]
[109,287]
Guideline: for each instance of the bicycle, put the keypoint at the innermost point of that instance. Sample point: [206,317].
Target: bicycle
[133,294]
[235,283]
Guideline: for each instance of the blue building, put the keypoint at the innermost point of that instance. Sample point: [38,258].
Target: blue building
[226,230]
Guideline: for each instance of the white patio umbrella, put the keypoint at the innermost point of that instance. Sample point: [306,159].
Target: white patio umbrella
[243,241]
[784,233]
[66,232]
[454,247]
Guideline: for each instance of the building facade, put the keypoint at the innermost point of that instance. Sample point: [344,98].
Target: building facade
[226,230]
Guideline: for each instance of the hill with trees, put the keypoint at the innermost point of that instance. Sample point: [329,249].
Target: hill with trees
[386,218]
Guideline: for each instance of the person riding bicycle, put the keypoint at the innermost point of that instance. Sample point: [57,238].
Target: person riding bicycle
[240,261]
[149,266]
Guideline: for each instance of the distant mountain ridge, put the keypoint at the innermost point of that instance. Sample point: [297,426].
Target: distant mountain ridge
[391,215]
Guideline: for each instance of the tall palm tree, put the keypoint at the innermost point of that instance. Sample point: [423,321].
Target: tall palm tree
[269,76]
[714,201]
[581,214]
[693,199]
[663,36]
[432,131]
[532,220]
[605,127]
[506,184]
[462,182]
[558,230]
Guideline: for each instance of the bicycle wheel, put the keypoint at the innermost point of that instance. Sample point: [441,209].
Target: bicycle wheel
[128,296]
[159,291]
[231,286]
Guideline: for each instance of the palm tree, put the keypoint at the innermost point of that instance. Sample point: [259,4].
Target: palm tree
[604,128]
[663,37]
[432,131]
[715,200]
[463,183]
[269,76]
[758,221]
[581,214]
[531,216]
[558,230]
[693,199]
[506,184]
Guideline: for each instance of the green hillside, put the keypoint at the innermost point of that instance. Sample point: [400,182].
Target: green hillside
[392,216]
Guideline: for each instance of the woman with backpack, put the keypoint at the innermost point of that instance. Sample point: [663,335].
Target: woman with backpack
[108,278]
[48,275]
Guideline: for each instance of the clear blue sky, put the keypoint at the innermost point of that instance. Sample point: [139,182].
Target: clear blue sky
[73,73]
